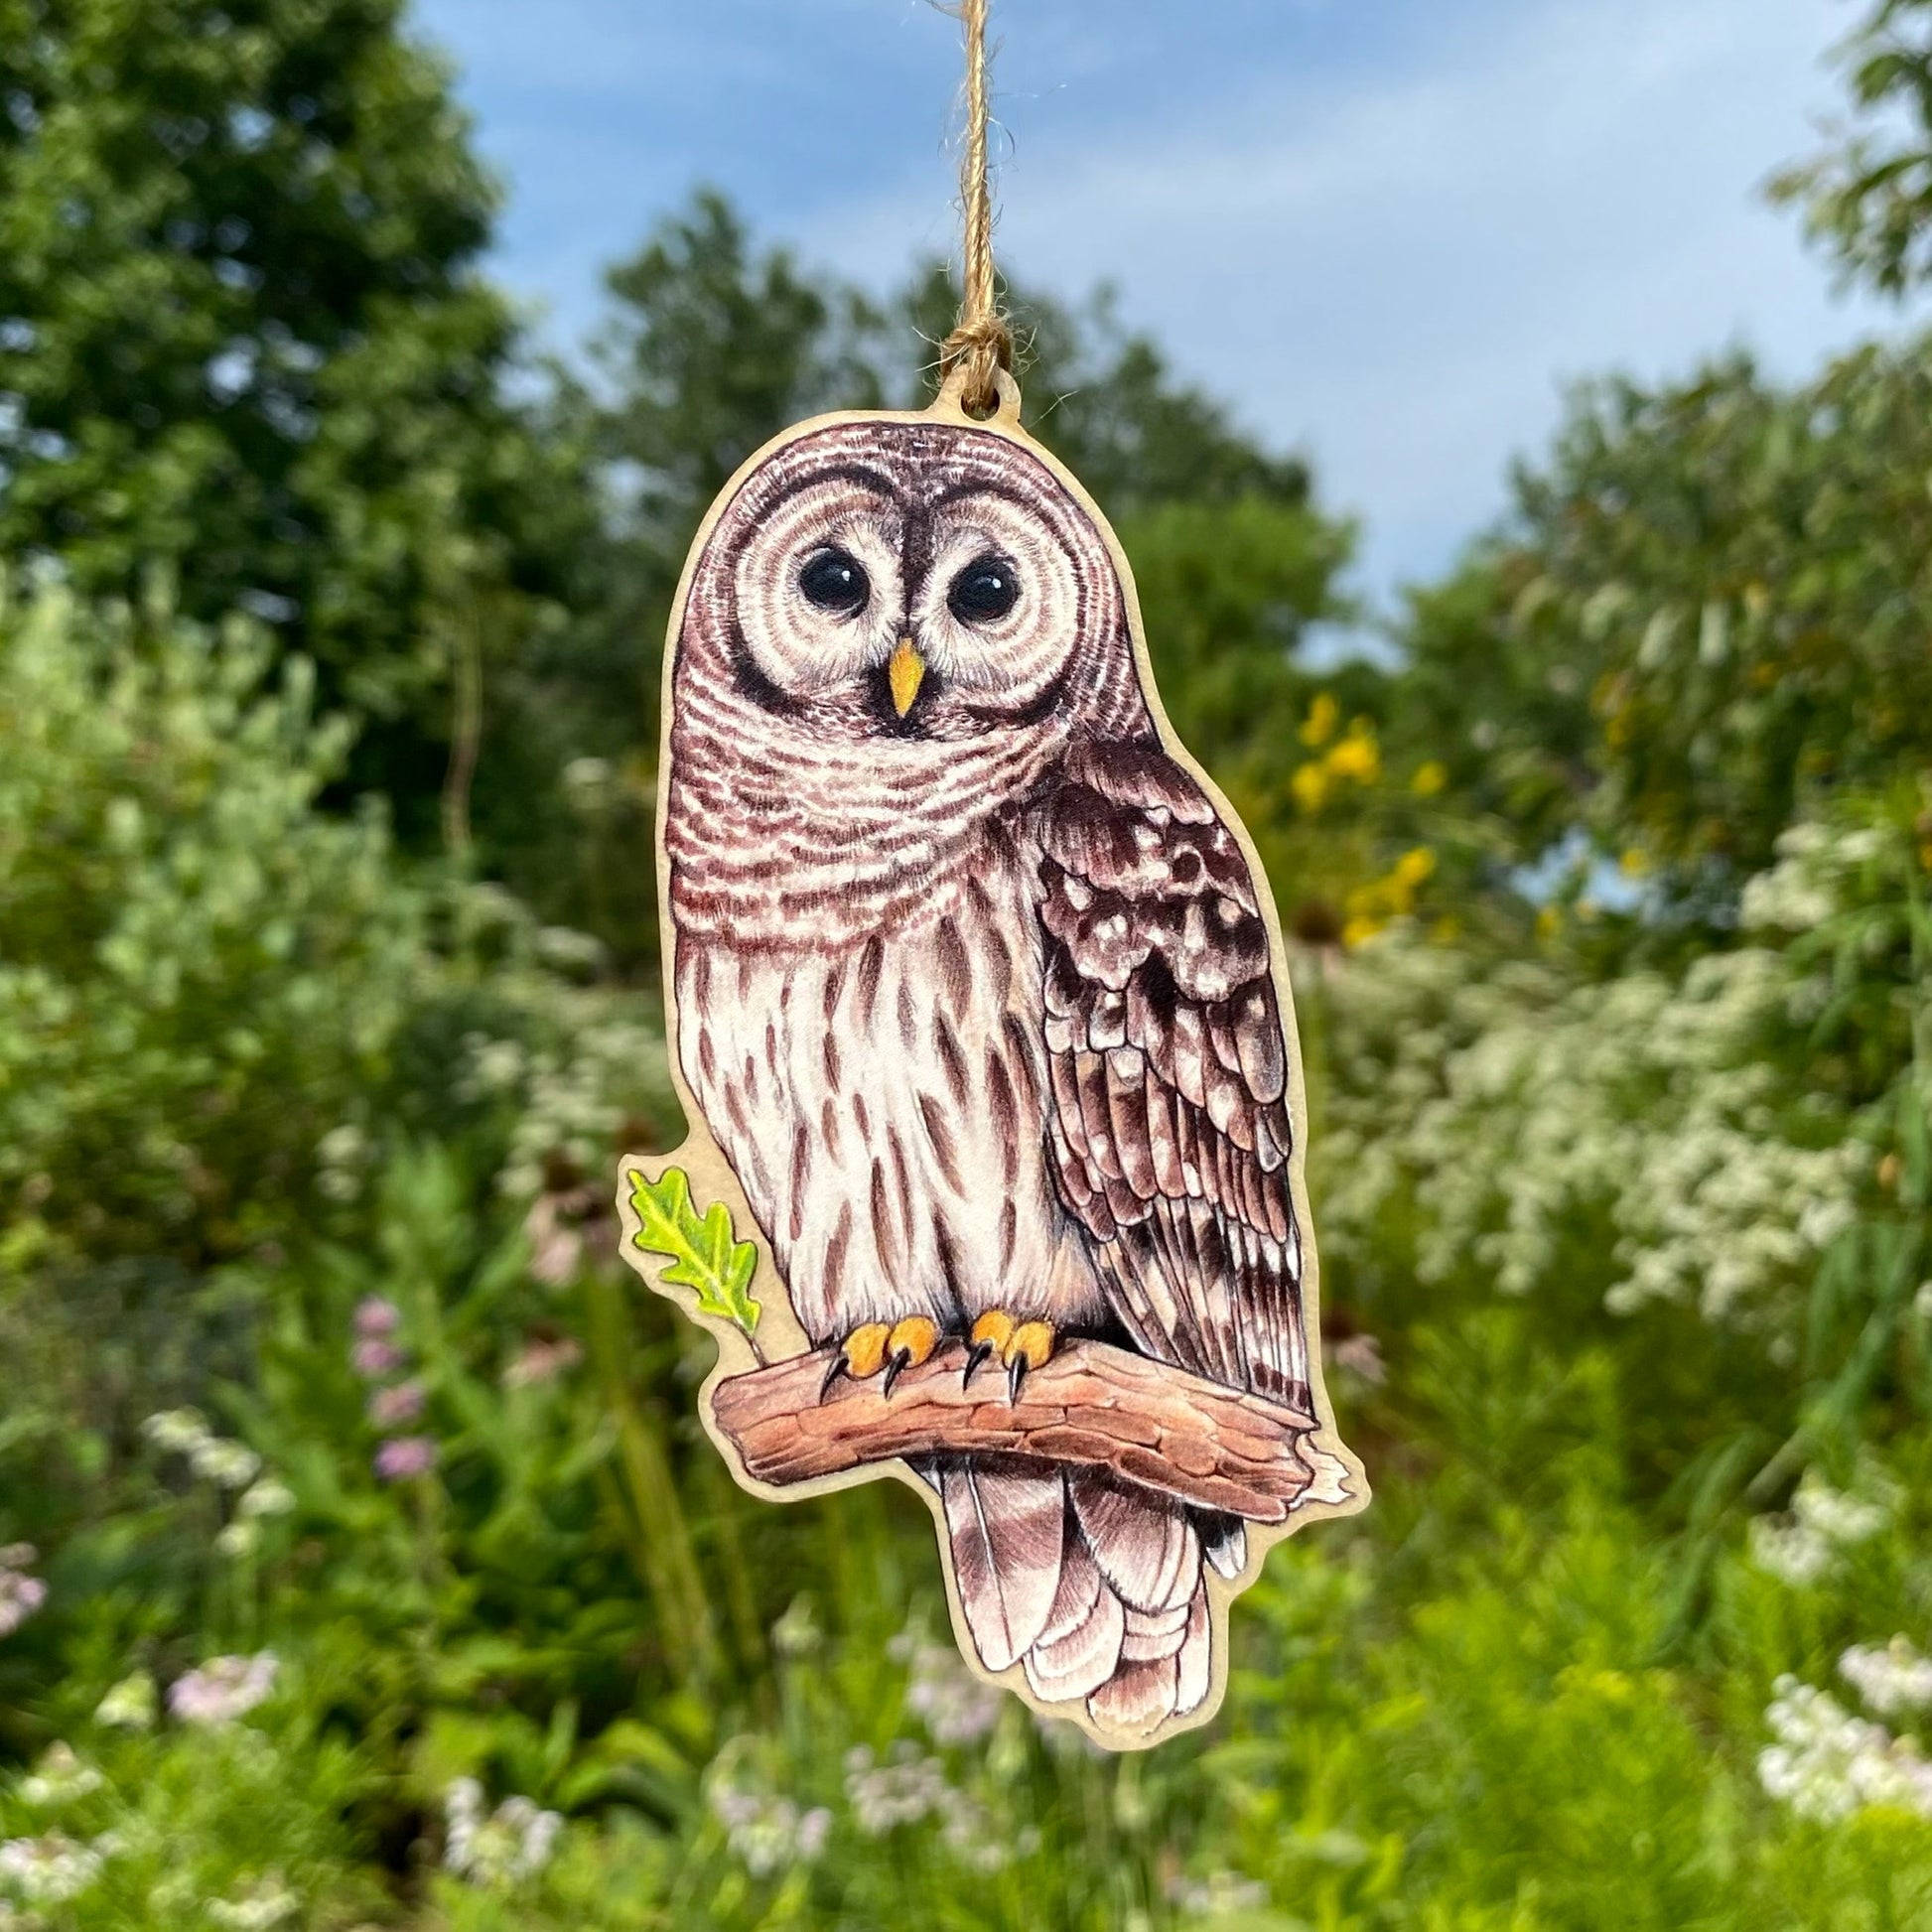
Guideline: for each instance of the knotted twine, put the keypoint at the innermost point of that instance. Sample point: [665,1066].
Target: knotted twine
[981,344]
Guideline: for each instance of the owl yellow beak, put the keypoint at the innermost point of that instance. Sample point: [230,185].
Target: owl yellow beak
[904,672]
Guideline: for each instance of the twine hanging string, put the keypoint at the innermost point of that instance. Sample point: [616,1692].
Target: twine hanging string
[981,342]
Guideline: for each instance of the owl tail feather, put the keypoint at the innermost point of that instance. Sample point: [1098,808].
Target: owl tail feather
[1099,1590]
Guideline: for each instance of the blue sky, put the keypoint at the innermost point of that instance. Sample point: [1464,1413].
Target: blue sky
[1388,233]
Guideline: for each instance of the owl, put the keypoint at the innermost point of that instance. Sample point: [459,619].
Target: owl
[973,989]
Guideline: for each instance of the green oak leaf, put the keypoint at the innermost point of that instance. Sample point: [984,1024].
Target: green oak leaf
[704,1254]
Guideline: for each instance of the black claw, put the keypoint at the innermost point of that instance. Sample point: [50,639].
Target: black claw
[1016,1374]
[901,1360]
[832,1374]
[975,1356]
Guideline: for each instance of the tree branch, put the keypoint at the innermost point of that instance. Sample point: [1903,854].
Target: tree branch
[1146,1423]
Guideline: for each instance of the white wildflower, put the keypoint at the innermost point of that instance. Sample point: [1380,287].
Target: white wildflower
[908,1788]
[130,1704]
[585,778]
[232,1465]
[341,1145]
[237,1538]
[1793,1553]
[494,1066]
[50,1870]
[179,1432]
[955,1706]
[1828,1764]
[797,1633]
[572,1110]
[508,1845]
[569,952]
[766,1833]
[1510,1105]
[1846,1517]
[256,1905]
[1804,1545]
[59,1778]
[224,1689]
[268,1497]
[1788,897]
[341,1155]
[1893,1679]
[970,1836]
[1220,1894]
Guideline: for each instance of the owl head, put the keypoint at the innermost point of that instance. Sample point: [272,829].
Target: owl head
[904,588]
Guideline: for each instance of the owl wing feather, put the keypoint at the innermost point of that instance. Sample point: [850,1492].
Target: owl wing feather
[1169,1121]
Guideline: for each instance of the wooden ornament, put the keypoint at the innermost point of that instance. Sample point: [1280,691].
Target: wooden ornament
[977,1008]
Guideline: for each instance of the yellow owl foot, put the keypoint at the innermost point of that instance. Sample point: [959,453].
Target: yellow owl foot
[1021,1345]
[911,1343]
[875,1346]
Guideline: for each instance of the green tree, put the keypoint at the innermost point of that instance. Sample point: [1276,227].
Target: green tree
[242,336]
[1867,199]
[716,345]
[1705,617]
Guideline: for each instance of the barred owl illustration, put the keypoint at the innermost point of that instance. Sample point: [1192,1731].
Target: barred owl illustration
[974,991]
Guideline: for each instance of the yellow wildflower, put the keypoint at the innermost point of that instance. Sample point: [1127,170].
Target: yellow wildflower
[1415,865]
[1309,786]
[1429,779]
[1357,757]
[1324,715]
[1362,928]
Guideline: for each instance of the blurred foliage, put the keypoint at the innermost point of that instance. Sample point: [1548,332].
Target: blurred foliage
[1866,201]
[361,1559]
[1702,620]
[243,342]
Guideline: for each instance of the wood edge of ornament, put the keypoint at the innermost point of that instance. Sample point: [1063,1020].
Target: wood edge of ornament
[1338,1486]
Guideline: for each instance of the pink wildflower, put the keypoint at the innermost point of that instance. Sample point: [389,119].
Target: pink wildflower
[542,1361]
[222,1688]
[391,1408]
[404,1457]
[376,1318]
[372,1360]
[20,1594]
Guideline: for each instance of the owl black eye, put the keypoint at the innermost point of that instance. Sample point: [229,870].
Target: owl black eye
[984,591]
[835,581]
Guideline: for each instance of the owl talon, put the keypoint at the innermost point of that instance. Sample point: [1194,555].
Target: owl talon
[861,1355]
[1021,1345]
[911,1343]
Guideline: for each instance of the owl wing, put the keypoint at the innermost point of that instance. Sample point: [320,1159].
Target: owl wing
[1169,1118]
